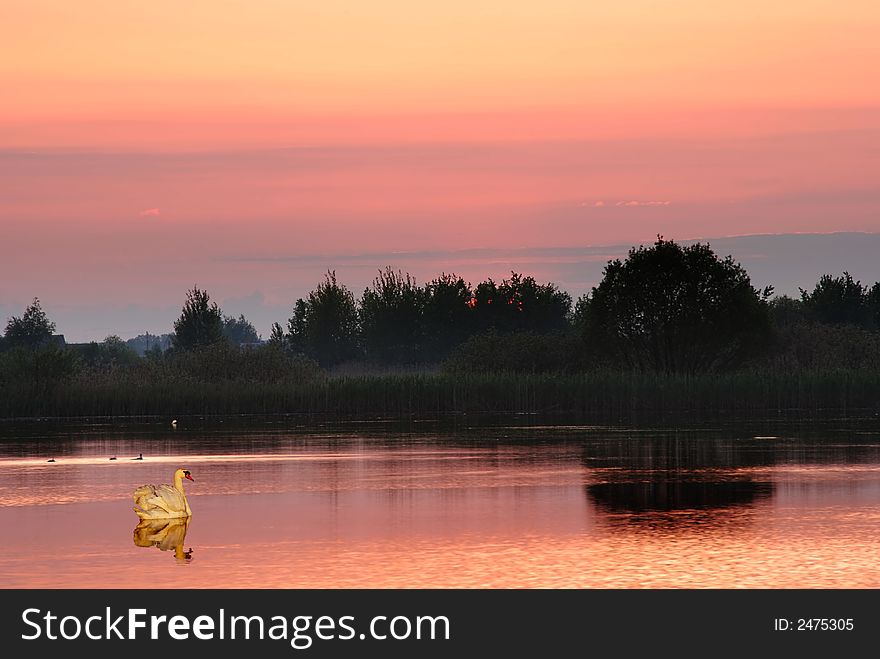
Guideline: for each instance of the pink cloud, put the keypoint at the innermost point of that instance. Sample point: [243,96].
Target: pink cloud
[643,203]
[149,212]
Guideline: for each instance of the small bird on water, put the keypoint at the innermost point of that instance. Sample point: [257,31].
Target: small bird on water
[139,457]
[174,423]
[113,458]
[51,460]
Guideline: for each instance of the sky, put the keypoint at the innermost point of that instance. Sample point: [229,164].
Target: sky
[248,147]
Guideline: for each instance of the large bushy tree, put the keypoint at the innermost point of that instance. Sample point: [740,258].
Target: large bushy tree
[838,300]
[391,319]
[447,314]
[520,304]
[675,309]
[200,323]
[324,326]
[31,330]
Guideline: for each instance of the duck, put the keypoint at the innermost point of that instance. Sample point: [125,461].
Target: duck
[174,423]
[139,457]
[51,460]
[113,458]
[163,501]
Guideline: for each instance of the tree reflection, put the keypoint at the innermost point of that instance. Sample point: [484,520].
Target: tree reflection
[676,473]
[664,494]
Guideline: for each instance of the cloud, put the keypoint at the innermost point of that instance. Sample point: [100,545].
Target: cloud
[149,212]
[601,204]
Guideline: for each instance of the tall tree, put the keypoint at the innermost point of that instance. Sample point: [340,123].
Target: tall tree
[31,330]
[535,307]
[838,300]
[520,304]
[486,306]
[325,325]
[873,299]
[675,309]
[446,314]
[391,318]
[200,323]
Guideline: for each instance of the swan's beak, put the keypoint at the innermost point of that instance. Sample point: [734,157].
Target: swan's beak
[190,478]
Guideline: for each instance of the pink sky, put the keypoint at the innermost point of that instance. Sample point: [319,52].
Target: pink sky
[250,146]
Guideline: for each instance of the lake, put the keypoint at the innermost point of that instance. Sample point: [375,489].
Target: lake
[297,503]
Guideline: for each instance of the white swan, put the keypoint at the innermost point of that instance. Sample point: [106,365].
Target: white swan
[163,501]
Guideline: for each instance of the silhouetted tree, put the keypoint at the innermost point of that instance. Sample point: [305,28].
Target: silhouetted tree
[873,298]
[839,300]
[296,326]
[31,330]
[239,330]
[391,317]
[325,326]
[535,307]
[447,314]
[200,323]
[579,315]
[487,307]
[520,304]
[675,309]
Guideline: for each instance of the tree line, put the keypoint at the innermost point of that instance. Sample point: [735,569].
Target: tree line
[664,308]
[396,321]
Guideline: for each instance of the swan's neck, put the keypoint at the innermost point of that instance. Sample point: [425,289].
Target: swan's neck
[178,484]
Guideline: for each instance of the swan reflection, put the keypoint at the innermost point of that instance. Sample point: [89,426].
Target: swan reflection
[166,534]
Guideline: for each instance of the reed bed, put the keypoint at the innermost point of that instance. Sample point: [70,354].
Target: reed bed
[605,394]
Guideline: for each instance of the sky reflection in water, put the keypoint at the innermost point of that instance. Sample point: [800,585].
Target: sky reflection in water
[489,507]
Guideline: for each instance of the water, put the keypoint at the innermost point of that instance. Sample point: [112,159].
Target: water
[420,505]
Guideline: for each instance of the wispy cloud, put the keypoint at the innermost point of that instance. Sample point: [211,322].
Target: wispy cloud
[624,203]
[149,212]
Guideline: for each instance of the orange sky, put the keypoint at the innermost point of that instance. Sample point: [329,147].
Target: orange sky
[334,127]
[234,63]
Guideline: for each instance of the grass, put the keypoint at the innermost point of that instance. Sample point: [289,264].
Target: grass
[601,394]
